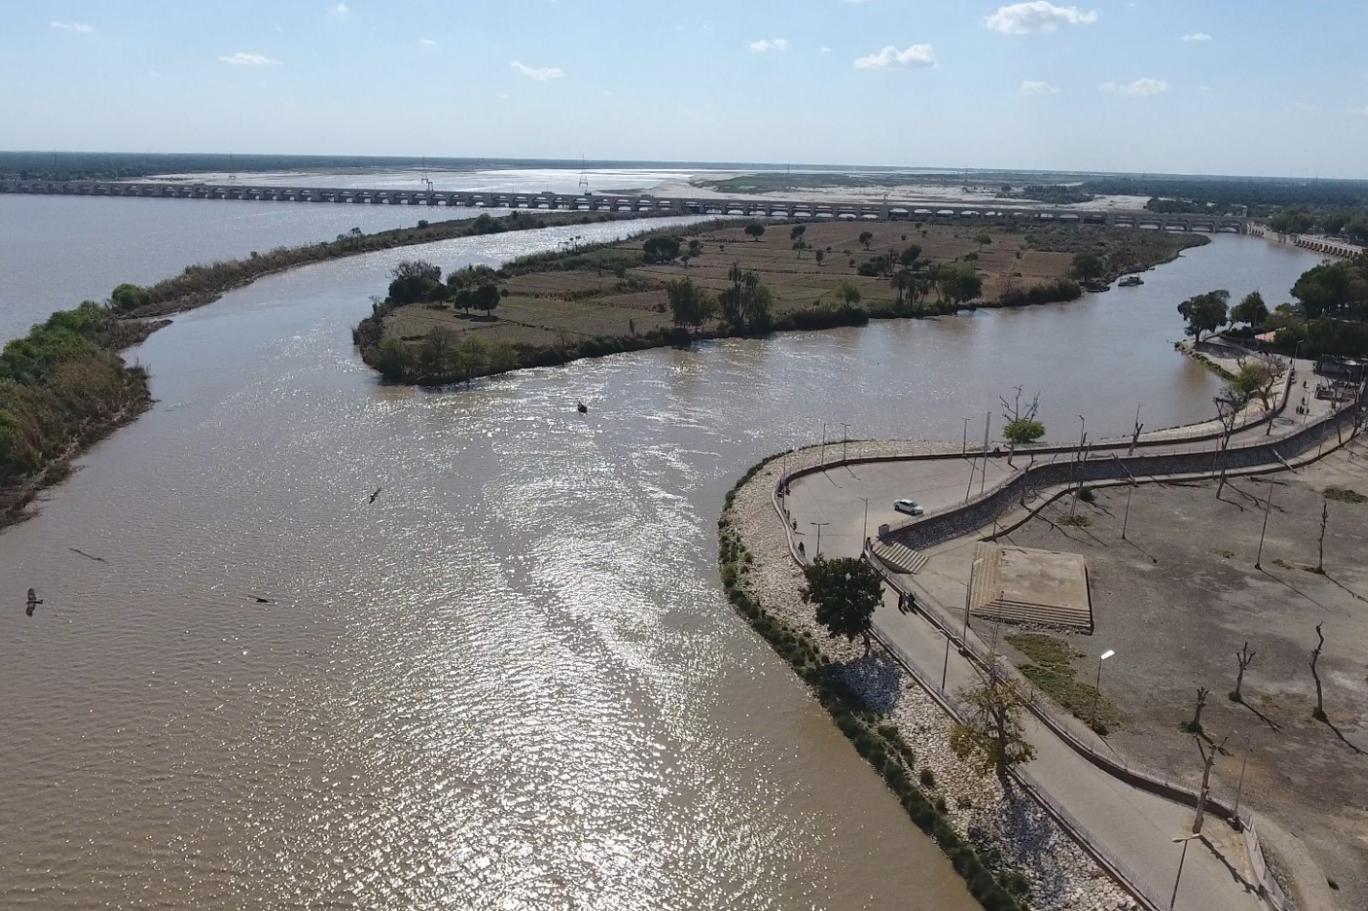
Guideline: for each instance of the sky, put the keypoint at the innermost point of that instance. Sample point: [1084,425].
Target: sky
[1262,87]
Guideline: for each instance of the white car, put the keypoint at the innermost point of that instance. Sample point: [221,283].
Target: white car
[911,507]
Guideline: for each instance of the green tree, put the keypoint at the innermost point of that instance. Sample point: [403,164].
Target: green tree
[865,238]
[992,733]
[1256,379]
[1251,310]
[848,293]
[984,239]
[797,232]
[1023,430]
[820,255]
[660,249]
[910,255]
[846,592]
[1088,266]
[690,304]
[486,298]
[129,297]
[957,283]
[695,248]
[1205,313]
[415,280]
[393,359]
[756,230]
[745,303]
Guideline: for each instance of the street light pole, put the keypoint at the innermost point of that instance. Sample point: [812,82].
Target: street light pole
[983,478]
[1177,879]
[964,447]
[1268,507]
[818,526]
[822,460]
[1130,492]
[1097,688]
[1082,439]
[1239,788]
[968,596]
[945,663]
[865,535]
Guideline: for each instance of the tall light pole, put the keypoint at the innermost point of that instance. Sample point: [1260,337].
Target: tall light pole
[1177,879]
[968,596]
[822,460]
[1082,439]
[864,536]
[818,526]
[964,447]
[983,478]
[1239,788]
[945,663]
[845,436]
[1268,507]
[1097,687]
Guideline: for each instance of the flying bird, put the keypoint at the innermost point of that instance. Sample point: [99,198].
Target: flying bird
[260,600]
[33,601]
[374,495]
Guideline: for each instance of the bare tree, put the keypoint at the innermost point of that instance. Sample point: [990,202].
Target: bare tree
[1195,725]
[1228,407]
[1320,547]
[1319,712]
[1208,755]
[1244,657]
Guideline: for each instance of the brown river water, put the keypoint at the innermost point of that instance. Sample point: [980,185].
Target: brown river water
[512,681]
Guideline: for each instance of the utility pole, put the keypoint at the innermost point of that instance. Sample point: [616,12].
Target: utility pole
[1268,507]
[964,447]
[1082,441]
[864,536]
[822,460]
[845,437]
[983,478]
[819,526]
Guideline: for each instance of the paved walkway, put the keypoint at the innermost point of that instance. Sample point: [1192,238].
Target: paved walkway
[1134,827]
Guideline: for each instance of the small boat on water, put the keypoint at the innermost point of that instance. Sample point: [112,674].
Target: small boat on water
[1130,281]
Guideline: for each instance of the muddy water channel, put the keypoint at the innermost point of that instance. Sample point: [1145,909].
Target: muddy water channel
[511,681]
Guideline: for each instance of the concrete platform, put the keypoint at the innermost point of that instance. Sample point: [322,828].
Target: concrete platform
[1025,585]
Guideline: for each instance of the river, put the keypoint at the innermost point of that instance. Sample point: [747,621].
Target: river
[513,680]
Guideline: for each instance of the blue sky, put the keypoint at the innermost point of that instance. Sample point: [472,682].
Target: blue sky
[1219,86]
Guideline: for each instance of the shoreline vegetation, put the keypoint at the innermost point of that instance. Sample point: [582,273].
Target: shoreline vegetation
[727,279]
[989,879]
[64,386]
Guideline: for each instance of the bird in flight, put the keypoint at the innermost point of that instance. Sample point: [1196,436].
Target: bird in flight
[33,601]
[374,495]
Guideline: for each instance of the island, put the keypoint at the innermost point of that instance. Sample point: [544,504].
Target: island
[674,286]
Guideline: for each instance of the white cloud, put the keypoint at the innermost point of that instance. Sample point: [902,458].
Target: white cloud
[914,55]
[538,73]
[1140,88]
[1037,87]
[339,11]
[427,42]
[84,28]
[1195,37]
[824,50]
[764,45]
[1037,16]
[244,58]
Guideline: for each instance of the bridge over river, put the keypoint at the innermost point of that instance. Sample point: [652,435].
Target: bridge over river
[641,203]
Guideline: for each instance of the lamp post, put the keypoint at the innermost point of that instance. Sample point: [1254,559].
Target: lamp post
[845,437]
[1097,687]
[818,526]
[1268,507]
[968,596]
[964,446]
[1184,839]
[822,460]
[1239,788]
[945,663]
[864,535]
